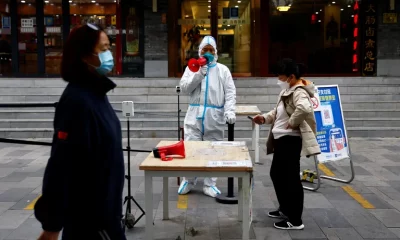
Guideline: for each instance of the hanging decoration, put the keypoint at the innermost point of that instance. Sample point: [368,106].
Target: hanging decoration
[283,5]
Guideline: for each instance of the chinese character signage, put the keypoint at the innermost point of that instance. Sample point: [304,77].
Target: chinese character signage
[370,33]
[331,129]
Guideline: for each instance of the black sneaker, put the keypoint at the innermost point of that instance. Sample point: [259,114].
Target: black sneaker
[286,225]
[276,214]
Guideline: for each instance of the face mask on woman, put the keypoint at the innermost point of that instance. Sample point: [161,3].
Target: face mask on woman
[284,85]
[107,62]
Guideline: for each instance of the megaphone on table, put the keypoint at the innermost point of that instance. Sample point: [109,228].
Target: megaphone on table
[177,149]
[195,64]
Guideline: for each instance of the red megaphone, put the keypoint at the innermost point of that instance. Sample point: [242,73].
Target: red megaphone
[195,64]
[177,149]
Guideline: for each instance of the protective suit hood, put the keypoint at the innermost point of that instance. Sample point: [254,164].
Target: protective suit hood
[209,40]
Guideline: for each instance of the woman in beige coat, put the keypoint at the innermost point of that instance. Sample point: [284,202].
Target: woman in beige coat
[292,135]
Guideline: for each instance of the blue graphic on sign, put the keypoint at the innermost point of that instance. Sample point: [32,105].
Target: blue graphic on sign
[331,134]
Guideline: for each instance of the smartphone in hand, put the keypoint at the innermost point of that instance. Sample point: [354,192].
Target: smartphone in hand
[251,118]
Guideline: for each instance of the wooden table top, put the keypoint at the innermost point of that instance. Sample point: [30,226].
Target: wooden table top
[204,156]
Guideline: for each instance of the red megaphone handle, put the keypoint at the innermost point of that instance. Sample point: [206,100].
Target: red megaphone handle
[164,158]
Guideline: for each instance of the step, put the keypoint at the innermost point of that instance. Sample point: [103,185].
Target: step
[172,122]
[49,114]
[167,132]
[264,106]
[170,90]
[169,82]
[372,122]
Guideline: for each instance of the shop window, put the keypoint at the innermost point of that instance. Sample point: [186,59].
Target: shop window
[101,13]
[234,35]
[27,37]
[195,24]
[5,40]
[317,33]
[53,41]
[233,30]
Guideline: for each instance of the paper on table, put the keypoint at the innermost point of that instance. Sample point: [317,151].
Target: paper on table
[211,151]
[230,143]
[244,163]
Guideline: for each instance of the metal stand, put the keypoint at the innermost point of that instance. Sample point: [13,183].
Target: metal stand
[129,219]
[230,198]
[333,178]
[178,91]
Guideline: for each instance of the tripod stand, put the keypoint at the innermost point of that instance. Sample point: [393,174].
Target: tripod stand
[129,219]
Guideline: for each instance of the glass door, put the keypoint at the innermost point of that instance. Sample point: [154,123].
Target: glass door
[195,23]
[234,35]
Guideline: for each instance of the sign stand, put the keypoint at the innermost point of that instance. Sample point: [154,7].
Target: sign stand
[331,131]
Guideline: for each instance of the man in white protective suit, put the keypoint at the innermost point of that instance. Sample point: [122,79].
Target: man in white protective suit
[212,102]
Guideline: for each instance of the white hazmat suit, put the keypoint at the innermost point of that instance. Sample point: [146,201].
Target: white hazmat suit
[212,102]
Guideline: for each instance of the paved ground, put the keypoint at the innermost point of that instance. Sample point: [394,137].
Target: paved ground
[368,208]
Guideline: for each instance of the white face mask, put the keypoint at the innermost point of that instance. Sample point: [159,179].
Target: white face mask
[284,85]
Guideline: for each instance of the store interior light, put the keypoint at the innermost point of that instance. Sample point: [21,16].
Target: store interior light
[93,1]
[283,8]
[236,6]
[239,1]
[46,1]
[349,5]
[209,6]
[333,2]
[228,25]
[23,1]
[209,10]
[341,9]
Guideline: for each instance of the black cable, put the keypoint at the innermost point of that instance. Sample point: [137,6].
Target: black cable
[26,142]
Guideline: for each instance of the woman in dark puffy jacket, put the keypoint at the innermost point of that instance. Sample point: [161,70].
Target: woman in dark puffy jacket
[84,177]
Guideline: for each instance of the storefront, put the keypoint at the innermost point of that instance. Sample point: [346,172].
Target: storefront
[156,38]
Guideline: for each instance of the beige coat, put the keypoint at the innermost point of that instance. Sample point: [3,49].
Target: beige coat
[299,108]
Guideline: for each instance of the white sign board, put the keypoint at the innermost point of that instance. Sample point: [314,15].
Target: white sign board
[26,22]
[229,144]
[53,29]
[244,163]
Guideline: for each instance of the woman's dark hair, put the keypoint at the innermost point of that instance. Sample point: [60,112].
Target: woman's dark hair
[288,67]
[80,43]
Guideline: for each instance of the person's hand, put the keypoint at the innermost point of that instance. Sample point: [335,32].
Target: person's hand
[289,127]
[49,235]
[259,119]
[203,70]
[231,119]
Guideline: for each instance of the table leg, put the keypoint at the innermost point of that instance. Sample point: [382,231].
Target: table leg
[148,186]
[256,141]
[246,208]
[165,199]
[240,199]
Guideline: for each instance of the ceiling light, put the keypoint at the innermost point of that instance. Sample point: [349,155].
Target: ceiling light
[23,1]
[320,10]
[283,8]
[225,29]
[209,0]
[236,6]
[187,16]
[228,25]
[205,29]
[46,1]
[209,10]
[319,20]
[333,2]
[209,6]
[352,15]
[349,5]
[239,1]
[341,9]
[70,1]
[316,12]
[93,1]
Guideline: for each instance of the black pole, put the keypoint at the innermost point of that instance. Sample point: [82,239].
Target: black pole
[41,58]
[65,20]
[14,36]
[230,198]
[179,120]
